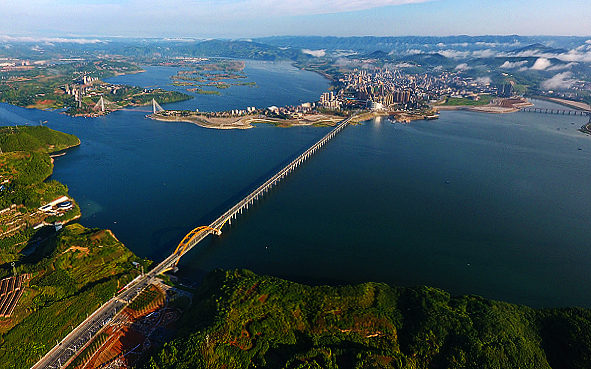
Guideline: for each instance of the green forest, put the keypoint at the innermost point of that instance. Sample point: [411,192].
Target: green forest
[242,320]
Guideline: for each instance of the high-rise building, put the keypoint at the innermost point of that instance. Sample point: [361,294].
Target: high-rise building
[505,90]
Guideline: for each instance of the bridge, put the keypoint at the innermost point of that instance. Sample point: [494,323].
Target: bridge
[65,351]
[156,107]
[556,111]
[199,233]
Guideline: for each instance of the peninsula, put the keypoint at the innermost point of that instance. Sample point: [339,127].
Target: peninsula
[245,119]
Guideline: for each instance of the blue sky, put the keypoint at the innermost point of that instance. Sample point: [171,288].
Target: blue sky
[256,18]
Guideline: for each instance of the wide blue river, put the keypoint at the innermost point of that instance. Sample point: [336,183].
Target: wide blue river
[473,203]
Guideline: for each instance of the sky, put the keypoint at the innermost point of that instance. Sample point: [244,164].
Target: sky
[259,18]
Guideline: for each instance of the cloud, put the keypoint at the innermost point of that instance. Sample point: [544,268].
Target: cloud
[575,56]
[315,53]
[201,18]
[462,66]
[510,65]
[489,44]
[563,66]
[561,81]
[486,53]
[213,8]
[541,64]
[454,54]
[343,62]
[484,80]
[413,52]
[404,65]
[49,40]
[579,54]
[306,7]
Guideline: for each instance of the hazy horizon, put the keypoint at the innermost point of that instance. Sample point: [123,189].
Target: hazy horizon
[265,18]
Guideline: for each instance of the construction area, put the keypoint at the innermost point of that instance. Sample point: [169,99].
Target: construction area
[148,321]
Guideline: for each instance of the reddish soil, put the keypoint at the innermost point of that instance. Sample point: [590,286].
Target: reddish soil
[123,338]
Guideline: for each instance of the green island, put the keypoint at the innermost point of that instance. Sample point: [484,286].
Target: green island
[242,320]
[67,274]
[211,74]
[201,91]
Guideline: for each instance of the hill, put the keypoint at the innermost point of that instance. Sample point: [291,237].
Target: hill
[35,138]
[242,320]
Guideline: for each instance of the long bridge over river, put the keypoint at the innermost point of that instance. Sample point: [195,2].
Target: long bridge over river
[65,351]
[556,111]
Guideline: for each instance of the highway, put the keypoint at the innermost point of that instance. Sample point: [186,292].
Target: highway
[64,351]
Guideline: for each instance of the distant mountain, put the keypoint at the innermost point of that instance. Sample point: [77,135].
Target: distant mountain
[151,48]
[242,50]
[541,49]
[378,55]
[401,44]
[431,59]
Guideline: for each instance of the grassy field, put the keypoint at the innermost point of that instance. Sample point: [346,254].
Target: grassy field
[454,101]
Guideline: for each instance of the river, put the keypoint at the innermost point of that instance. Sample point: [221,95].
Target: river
[489,204]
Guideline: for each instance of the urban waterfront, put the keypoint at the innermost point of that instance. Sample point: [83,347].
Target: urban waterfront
[495,205]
